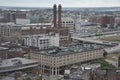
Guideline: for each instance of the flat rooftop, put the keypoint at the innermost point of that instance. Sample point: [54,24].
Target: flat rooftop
[35,24]
[12,61]
[3,48]
[16,64]
[60,51]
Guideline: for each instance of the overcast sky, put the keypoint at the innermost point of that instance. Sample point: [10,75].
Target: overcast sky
[65,3]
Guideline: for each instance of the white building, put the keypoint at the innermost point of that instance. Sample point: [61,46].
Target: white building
[68,22]
[42,41]
[22,21]
[17,63]
[86,28]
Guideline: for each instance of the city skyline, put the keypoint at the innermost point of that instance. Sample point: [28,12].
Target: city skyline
[65,3]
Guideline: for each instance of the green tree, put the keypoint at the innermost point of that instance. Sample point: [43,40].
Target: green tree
[103,25]
[105,53]
[111,26]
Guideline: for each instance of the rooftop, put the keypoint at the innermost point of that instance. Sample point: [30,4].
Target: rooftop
[59,51]
[3,48]
[16,64]
[12,61]
[35,24]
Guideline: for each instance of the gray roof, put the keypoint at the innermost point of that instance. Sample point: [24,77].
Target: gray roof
[55,51]
[16,64]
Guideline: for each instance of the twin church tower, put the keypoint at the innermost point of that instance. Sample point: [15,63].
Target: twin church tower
[57,14]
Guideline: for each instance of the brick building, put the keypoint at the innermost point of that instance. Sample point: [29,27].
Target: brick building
[105,19]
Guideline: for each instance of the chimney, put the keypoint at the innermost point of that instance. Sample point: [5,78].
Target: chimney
[55,15]
[59,15]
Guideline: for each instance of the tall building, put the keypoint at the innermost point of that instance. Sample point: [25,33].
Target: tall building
[58,28]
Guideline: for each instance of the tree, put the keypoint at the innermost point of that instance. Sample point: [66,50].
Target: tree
[105,53]
[103,25]
[111,26]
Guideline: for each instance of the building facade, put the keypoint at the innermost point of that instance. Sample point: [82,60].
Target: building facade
[9,32]
[54,63]
[37,28]
[11,16]
[68,22]
[64,35]
[42,41]
[3,53]
[102,19]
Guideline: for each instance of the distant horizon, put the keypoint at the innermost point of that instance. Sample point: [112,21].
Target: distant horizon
[64,3]
[63,7]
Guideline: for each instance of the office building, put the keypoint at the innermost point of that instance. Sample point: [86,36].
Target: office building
[42,41]
[54,60]
[10,31]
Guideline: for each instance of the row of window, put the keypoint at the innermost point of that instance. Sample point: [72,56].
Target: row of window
[68,22]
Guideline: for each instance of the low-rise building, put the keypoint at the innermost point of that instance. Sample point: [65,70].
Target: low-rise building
[99,74]
[17,63]
[113,59]
[22,21]
[3,52]
[54,60]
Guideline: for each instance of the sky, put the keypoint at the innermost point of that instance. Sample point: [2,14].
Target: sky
[65,3]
